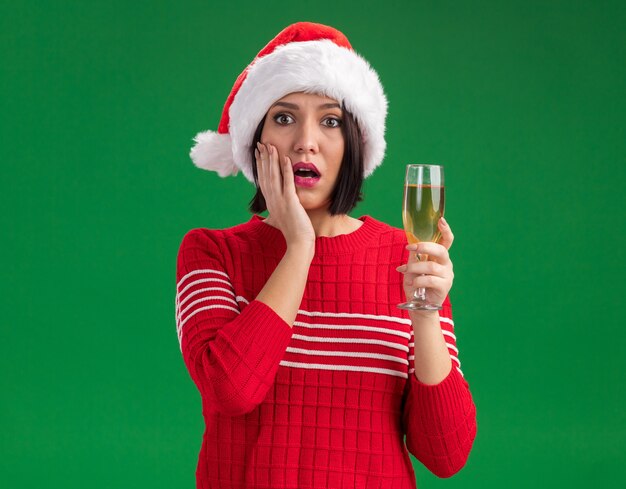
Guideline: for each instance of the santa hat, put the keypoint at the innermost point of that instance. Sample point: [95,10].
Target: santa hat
[303,57]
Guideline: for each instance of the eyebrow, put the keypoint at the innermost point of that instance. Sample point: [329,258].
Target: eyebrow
[295,107]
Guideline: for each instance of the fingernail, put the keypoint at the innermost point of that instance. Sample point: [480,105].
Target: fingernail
[256,153]
[411,247]
[444,222]
[401,268]
[258,144]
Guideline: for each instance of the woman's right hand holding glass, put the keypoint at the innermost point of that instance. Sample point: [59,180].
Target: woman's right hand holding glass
[276,180]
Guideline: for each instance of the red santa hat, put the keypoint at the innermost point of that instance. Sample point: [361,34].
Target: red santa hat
[303,57]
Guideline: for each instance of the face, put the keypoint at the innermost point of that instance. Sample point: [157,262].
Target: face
[307,128]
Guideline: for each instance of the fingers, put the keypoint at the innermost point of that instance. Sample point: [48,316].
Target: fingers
[435,271]
[446,234]
[276,177]
[270,160]
[435,251]
[266,175]
[424,267]
[428,282]
[261,171]
[413,258]
[288,178]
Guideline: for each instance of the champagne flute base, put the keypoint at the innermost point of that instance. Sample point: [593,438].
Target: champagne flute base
[419,306]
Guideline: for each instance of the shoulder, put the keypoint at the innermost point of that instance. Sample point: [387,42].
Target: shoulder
[388,234]
[200,237]
[213,238]
[198,245]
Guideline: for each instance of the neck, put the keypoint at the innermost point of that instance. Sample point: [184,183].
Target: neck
[326,225]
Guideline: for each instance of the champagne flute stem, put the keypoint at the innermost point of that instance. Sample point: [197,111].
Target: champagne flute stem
[419,294]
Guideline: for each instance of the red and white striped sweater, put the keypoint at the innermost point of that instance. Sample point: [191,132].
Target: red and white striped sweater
[328,403]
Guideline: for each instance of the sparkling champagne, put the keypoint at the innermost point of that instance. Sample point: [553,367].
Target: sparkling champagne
[423,207]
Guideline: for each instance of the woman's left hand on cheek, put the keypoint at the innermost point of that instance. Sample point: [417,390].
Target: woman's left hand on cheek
[435,274]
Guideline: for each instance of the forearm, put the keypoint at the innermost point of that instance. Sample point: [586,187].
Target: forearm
[432,358]
[439,413]
[284,290]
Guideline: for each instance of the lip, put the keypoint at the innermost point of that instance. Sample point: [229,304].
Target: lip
[306,165]
[306,182]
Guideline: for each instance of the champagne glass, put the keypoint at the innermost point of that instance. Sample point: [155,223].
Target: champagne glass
[422,208]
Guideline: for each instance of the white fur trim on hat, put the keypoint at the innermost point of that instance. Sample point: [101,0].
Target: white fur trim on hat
[213,151]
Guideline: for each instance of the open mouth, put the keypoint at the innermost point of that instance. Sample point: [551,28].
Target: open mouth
[306,174]
[306,178]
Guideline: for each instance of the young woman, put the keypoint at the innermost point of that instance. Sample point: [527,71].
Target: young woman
[310,376]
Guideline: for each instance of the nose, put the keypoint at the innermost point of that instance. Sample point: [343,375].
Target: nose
[307,137]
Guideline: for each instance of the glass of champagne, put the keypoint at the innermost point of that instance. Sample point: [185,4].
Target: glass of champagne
[422,208]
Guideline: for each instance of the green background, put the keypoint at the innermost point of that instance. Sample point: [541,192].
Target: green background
[522,101]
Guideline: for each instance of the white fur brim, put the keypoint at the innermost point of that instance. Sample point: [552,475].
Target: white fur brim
[213,151]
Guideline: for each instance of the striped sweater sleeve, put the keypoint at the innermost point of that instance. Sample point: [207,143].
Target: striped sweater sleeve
[440,420]
[231,348]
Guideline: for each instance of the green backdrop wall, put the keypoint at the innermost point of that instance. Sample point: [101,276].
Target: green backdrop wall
[522,101]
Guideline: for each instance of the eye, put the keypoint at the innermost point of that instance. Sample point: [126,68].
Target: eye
[332,122]
[283,119]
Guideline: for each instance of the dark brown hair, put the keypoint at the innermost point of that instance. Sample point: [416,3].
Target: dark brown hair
[347,192]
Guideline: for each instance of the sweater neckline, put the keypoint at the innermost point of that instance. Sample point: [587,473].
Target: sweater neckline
[324,245]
